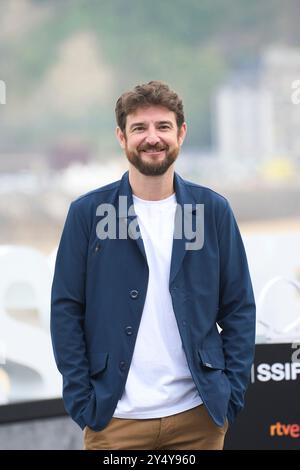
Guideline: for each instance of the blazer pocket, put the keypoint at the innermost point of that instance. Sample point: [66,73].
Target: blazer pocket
[98,362]
[212,358]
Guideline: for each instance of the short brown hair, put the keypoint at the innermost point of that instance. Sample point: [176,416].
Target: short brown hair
[153,93]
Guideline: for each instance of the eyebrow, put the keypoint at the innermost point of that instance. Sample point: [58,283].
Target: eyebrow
[157,123]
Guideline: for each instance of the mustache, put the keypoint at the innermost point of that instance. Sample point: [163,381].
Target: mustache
[152,148]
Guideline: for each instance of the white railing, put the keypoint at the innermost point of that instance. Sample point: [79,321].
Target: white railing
[272,334]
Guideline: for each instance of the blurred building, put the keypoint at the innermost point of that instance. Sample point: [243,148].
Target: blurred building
[255,116]
[280,68]
[16,161]
[68,152]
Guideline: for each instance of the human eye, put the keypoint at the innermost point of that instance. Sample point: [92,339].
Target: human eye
[138,128]
[164,127]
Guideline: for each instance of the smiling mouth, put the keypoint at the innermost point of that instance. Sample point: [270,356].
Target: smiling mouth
[153,152]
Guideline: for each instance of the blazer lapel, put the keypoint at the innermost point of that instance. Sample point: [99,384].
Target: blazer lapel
[184,217]
[127,215]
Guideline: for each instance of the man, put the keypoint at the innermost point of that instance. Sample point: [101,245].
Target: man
[152,322]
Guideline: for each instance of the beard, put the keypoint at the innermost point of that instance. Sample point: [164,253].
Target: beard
[152,168]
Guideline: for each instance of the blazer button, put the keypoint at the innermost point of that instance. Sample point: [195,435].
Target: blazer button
[134,294]
[128,330]
[122,365]
[97,247]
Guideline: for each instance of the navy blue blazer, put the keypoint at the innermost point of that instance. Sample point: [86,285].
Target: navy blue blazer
[98,294]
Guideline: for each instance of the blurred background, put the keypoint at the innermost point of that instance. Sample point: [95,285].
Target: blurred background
[64,63]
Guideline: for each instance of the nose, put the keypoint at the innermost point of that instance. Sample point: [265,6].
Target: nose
[152,137]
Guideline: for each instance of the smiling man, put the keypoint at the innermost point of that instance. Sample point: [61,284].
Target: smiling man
[134,320]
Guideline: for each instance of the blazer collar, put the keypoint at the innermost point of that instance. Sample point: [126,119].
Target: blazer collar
[184,197]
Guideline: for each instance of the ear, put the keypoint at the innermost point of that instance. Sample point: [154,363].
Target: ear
[182,133]
[121,137]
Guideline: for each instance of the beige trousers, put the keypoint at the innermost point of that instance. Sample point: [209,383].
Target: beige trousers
[193,429]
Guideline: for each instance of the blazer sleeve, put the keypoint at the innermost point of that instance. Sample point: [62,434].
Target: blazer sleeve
[67,314]
[236,314]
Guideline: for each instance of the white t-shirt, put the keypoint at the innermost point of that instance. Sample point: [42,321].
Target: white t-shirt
[159,381]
